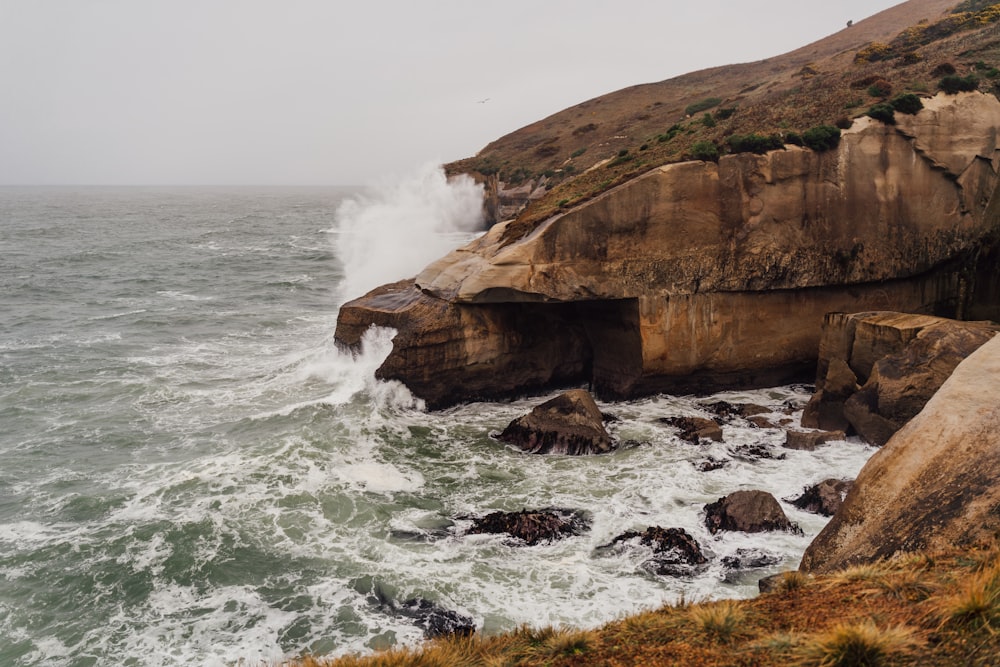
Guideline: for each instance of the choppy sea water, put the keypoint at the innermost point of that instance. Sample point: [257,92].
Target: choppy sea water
[192,473]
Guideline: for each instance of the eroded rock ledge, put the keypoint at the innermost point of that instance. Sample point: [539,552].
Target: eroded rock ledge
[699,276]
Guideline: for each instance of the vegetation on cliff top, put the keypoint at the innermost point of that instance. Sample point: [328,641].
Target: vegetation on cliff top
[599,144]
[941,609]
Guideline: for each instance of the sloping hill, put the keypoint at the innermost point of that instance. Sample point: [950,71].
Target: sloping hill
[629,131]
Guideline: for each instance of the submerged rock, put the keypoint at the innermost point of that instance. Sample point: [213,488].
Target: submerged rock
[533,527]
[570,423]
[747,511]
[749,559]
[676,553]
[436,621]
[694,429]
[824,498]
[811,440]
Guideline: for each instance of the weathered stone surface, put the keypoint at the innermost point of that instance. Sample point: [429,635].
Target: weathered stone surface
[747,511]
[810,440]
[824,498]
[693,429]
[570,423]
[900,359]
[748,559]
[697,276]
[936,483]
[533,527]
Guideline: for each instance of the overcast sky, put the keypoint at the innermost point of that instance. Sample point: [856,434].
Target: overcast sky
[337,92]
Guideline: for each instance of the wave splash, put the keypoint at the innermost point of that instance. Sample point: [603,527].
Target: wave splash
[396,230]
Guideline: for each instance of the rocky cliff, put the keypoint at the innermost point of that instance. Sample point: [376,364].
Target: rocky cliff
[934,485]
[698,275]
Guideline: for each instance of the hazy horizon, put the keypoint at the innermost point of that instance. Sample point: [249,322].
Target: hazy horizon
[222,93]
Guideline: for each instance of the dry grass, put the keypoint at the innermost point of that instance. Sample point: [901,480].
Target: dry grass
[941,609]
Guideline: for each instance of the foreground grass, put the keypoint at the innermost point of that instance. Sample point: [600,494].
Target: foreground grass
[917,610]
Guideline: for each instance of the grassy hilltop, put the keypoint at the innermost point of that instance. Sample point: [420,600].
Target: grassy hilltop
[593,146]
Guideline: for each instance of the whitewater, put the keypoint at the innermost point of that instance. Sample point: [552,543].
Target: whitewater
[191,471]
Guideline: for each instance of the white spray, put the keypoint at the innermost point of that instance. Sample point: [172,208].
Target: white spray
[396,230]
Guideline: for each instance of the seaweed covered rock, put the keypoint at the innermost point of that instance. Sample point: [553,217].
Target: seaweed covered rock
[675,552]
[824,498]
[747,511]
[570,423]
[694,429]
[533,526]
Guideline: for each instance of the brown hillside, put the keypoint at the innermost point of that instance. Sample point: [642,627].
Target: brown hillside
[820,83]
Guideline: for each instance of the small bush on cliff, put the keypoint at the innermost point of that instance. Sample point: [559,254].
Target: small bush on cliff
[907,103]
[794,138]
[705,150]
[822,137]
[880,88]
[755,143]
[707,120]
[953,83]
[883,112]
[724,113]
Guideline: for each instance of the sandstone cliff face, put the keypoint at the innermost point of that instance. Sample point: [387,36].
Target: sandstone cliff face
[934,485]
[697,275]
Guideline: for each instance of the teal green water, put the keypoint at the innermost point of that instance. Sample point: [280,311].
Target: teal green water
[192,473]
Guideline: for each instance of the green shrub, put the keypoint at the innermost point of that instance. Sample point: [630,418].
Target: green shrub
[953,83]
[843,123]
[705,150]
[907,103]
[578,152]
[724,113]
[883,112]
[821,137]
[703,105]
[944,69]
[707,120]
[880,88]
[754,143]
[793,138]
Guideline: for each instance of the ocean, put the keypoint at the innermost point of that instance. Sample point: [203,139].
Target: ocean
[192,473]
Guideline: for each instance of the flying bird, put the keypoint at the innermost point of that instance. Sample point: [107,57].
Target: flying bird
[484,101]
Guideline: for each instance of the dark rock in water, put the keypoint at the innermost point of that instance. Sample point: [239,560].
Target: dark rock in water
[570,423]
[755,453]
[810,440]
[434,620]
[748,559]
[694,429]
[747,511]
[711,464]
[824,498]
[533,527]
[761,422]
[676,553]
[727,410]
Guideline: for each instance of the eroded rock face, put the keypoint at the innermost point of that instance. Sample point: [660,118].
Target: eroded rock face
[935,484]
[570,423]
[747,511]
[696,277]
[900,361]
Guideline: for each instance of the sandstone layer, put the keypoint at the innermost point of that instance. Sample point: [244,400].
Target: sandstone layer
[935,485]
[697,276]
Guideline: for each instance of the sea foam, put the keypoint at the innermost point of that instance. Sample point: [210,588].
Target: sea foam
[395,230]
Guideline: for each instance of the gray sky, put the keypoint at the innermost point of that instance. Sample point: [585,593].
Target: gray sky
[335,92]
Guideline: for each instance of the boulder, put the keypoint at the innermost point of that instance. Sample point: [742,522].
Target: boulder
[676,553]
[747,511]
[810,440]
[824,498]
[934,485]
[533,527]
[696,276]
[434,620]
[694,429]
[570,423]
[749,559]
[878,369]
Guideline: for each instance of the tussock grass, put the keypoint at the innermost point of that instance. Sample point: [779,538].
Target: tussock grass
[976,603]
[720,621]
[857,645]
[792,580]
